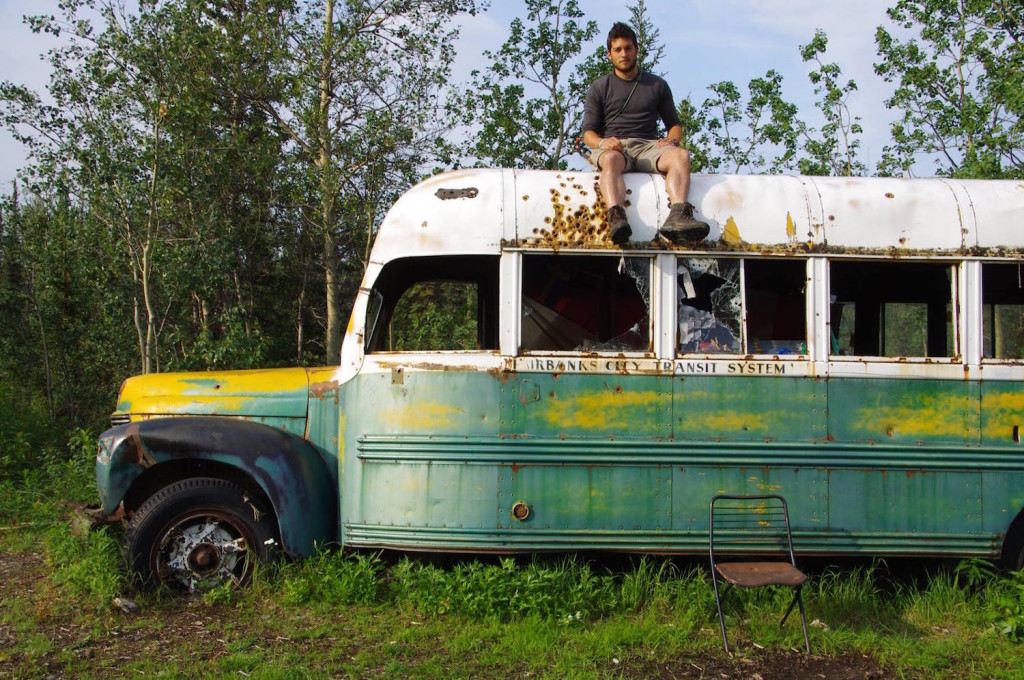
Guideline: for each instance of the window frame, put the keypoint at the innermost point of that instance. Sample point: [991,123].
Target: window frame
[513,273]
[745,350]
[955,324]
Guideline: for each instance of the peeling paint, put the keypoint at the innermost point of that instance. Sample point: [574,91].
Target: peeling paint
[731,233]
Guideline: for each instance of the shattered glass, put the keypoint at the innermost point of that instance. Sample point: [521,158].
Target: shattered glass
[586,304]
[710,306]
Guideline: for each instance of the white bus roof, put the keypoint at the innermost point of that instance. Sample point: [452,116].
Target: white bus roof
[482,210]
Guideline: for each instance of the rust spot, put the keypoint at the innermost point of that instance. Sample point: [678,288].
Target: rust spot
[889,432]
[520,511]
[449,194]
[516,467]
[137,453]
[526,197]
[889,194]
[831,218]
[320,389]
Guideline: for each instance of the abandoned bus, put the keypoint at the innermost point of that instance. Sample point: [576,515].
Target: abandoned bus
[510,381]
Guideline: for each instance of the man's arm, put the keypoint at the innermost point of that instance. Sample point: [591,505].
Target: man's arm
[673,138]
[596,141]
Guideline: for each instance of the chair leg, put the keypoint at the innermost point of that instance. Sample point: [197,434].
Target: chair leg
[803,619]
[792,603]
[721,617]
[798,600]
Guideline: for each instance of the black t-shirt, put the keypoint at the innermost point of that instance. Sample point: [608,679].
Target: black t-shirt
[651,101]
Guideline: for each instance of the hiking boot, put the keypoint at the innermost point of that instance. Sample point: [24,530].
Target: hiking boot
[680,225]
[618,227]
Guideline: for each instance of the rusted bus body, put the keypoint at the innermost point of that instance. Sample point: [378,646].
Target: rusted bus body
[852,344]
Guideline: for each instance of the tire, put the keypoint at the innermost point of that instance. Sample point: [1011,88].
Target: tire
[197,534]
[1012,557]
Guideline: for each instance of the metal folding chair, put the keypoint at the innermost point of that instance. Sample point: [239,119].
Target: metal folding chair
[752,533]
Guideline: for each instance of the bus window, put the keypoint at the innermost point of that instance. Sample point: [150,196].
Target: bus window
[712,308]
[1003,299]
[586,303]
[776,305]
[891,309]
[435,315]
[709,305]
[434,304]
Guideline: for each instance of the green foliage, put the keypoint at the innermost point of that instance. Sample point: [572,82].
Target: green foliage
[219,595]
[88,567]
[1008,603]
[958,80]
[329,579]
[567,591]
[528,103]
[756,132]
[436,315]
[833,151]
[36,482]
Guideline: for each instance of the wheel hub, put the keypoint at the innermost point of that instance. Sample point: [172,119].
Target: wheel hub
[202,552]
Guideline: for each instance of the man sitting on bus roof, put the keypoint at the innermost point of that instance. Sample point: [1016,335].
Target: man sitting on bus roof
[620,124]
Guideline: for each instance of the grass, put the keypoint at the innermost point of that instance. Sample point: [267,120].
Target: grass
[364,615]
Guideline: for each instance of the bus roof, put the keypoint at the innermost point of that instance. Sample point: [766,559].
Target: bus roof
[480,211]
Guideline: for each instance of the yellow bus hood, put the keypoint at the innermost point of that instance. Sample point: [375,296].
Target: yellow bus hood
[281,392]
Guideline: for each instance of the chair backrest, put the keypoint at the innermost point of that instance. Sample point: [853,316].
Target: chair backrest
[754,526]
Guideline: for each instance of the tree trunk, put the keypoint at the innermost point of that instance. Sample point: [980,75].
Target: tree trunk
[327,190]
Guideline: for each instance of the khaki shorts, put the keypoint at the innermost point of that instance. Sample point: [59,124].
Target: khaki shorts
[641,154]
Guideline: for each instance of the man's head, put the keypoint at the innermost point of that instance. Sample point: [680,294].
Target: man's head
[621,30]
[622,49]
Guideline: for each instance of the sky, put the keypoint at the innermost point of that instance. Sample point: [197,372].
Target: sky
[706,41]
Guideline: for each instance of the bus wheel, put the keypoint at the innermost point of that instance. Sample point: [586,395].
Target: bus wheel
[1013,546]
[198,533]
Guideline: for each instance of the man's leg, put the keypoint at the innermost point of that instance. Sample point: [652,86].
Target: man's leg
[613,187]
[680,224]
[674,163]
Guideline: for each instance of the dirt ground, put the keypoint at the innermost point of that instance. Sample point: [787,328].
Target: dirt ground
[189,627]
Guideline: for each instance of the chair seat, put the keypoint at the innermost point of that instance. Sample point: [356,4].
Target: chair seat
[754,574]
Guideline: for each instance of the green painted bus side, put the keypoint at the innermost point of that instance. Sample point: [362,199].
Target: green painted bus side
[628,462]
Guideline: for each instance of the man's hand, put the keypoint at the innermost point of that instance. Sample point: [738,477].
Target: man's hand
[611,144]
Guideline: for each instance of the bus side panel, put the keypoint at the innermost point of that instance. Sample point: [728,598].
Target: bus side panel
[913,506]
[589,406]
[1002,416]
[910,478]
[610,497]
[580,464]
[761,408]
[413,468]
[804,488]
[1002,430]
[904,411]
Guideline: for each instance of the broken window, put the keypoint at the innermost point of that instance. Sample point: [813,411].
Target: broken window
[710,306]
[892,309]
[1003,310]
[716,295]
[434,304]
[586,303]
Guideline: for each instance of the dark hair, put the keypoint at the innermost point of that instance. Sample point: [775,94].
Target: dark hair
[621,30]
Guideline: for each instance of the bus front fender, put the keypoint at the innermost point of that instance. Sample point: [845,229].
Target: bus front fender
[298,481]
